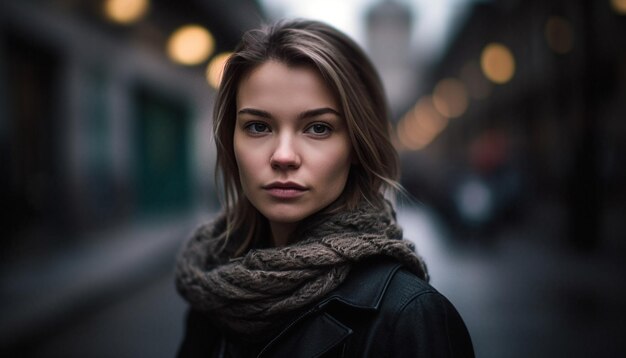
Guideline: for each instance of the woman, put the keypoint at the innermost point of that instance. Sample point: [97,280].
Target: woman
[307,259]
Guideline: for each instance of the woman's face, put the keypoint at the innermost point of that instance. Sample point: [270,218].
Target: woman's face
[291,143]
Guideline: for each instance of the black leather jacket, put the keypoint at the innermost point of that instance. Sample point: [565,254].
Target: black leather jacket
[381,310]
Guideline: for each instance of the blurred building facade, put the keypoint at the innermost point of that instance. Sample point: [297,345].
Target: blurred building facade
[389,25]
[99,125]
[103,126]
[524,114]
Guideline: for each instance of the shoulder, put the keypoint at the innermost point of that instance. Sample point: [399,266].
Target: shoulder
[418,320]
[412,318]
[380,280]
[406,291]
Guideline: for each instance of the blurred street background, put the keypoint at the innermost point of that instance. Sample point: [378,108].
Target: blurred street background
[509,116]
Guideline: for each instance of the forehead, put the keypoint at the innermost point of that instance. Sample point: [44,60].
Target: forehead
[274,84]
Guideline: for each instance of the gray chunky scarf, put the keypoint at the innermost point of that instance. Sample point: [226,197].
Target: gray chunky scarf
[260,290]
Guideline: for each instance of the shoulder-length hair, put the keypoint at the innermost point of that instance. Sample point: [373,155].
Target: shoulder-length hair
[349,73]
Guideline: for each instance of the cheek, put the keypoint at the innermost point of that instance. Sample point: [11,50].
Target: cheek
[337,166]
[244,159]
[252,161]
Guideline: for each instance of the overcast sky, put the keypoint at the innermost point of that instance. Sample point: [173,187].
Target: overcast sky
[434,20]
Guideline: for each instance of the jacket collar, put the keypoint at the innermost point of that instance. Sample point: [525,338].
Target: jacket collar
[366,284]
[364,289]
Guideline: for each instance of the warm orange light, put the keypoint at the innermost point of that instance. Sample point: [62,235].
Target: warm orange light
[421,125]
[125,11]
[405,140]
[215,68]
[427,116]
[497,63]
[190,45]
[619,6]
[450,97]
[559,35]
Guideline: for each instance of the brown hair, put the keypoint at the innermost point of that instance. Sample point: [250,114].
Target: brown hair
[349,73]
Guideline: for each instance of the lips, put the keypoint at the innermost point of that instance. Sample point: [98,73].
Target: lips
[285,190]
[285,185]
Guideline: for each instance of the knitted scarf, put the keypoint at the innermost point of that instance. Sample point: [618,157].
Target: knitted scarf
[260,290]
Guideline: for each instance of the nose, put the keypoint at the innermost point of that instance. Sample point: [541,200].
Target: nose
[285,155]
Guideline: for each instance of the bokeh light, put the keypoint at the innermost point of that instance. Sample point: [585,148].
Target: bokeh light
[215,69]
[190,45]
[125,11]
[421,125]
[497,63]
[559,34]
[619,6]
[474,201]
[450,97]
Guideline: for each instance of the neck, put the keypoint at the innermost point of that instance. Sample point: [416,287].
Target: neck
[281,233]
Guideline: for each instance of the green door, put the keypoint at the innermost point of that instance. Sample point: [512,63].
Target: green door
[163,183]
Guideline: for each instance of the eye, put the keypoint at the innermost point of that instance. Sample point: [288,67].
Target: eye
[319,129]
[257,128]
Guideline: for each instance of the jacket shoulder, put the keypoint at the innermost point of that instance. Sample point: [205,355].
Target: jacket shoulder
[414,319]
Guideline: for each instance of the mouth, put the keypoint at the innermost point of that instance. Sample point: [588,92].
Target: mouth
[285,186]
[285,190]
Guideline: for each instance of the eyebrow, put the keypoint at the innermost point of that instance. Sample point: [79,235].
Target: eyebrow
[306,114]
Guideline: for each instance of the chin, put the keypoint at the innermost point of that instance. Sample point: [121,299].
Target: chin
[285,217]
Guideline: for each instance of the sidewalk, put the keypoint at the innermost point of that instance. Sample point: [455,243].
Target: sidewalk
[525,296]
[44,294]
